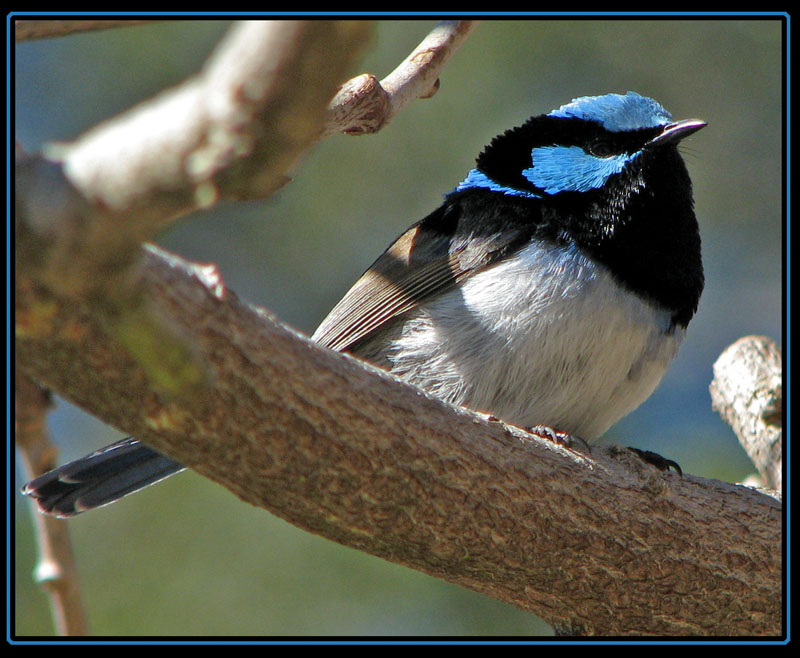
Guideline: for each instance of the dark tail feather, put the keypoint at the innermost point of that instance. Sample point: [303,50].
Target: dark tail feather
[99,478]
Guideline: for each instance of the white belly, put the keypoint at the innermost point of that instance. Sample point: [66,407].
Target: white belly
[544,338]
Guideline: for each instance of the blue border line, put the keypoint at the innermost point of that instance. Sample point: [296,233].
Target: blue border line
[786,347]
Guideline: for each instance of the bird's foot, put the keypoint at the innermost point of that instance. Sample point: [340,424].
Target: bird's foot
[657,460]
[559,438]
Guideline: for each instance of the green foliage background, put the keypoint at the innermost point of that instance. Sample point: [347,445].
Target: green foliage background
[187,557]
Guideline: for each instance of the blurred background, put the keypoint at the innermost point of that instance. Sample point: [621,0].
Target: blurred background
[187,557]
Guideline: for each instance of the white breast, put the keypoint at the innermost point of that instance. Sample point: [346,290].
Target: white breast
[546,337]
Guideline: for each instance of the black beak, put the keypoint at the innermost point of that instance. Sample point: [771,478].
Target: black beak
[675,132]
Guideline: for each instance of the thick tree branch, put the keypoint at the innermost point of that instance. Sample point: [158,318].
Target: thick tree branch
[593,544]
[233,131]
[236,129]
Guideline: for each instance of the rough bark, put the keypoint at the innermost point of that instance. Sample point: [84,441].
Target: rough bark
[594,544]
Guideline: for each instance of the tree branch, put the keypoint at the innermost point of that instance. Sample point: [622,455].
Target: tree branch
[363,105]
[27,29]
[747,391]
[593,544]
[233,131]
[56,571]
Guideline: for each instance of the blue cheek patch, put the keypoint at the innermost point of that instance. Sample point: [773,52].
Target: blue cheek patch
[570,169]
[476,178]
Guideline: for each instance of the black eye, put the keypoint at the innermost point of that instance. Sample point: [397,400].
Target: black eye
[601,148]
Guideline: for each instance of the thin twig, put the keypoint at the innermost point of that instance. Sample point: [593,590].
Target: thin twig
[55,570]
[364,105]
[28,29]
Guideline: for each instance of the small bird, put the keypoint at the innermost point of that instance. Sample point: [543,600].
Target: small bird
[552,287]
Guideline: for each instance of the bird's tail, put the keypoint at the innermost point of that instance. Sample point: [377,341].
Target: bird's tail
[99,478]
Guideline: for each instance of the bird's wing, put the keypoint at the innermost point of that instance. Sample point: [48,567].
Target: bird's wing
[423,262]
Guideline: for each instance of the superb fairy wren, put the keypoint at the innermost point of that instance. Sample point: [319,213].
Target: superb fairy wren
[552,286]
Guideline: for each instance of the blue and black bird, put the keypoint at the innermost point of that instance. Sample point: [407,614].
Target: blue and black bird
[552,287]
